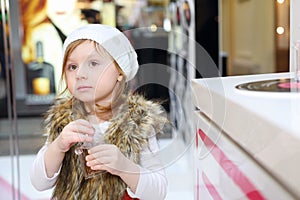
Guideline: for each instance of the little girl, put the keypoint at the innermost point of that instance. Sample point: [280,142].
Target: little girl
[98,61]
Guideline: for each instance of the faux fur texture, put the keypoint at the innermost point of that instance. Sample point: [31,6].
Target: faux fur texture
[129,131]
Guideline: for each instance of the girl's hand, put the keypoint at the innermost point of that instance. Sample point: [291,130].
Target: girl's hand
[109,158]
[76,131]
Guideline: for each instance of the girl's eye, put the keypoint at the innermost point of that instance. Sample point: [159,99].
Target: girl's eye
[94,63]
[72,67]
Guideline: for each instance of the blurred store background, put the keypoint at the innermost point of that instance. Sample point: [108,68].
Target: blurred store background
[176,40]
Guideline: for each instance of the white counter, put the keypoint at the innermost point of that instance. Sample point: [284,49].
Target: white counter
[266,125]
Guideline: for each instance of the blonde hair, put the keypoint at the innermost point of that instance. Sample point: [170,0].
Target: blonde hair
[104,112]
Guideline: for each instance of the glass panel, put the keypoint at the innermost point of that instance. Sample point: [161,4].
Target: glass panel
[34,33]
[7,161]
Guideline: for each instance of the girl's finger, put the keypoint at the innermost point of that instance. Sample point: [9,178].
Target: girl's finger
[83,128]
[80,137]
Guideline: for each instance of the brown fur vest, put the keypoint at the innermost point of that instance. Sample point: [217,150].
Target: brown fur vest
[130,127]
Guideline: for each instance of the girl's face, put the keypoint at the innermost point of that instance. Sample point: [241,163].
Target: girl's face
[91,75]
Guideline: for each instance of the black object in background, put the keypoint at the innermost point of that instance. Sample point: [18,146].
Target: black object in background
[40,69]
[207,36]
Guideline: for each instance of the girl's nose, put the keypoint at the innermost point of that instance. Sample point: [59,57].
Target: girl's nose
[81,73]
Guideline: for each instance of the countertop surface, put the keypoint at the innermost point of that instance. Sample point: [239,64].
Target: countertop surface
[265,124]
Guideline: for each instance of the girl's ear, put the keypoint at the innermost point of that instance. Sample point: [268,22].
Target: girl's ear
[120,78]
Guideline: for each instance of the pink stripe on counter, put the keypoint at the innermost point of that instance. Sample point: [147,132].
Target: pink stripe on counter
[231,169]
[211,188]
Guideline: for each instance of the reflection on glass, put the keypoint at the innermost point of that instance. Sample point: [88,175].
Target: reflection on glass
[48,22]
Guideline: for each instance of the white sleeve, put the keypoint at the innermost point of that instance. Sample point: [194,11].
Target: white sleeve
[38,174]
[153,181]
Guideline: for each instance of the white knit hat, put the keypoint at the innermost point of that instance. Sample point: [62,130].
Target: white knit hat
[113,41]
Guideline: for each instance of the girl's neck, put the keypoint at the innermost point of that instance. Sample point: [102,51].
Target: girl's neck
[97,114]
[94,119]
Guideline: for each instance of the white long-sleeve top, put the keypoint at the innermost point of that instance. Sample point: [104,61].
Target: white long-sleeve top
[152,182]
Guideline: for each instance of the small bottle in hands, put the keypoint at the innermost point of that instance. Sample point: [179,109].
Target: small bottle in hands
[82,152]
